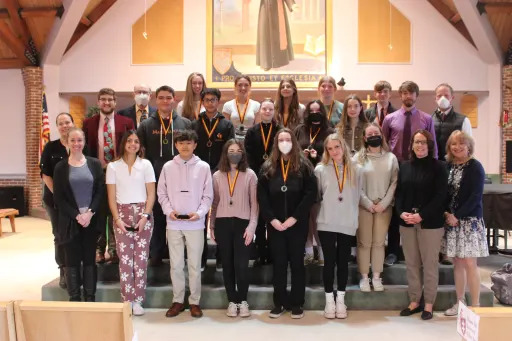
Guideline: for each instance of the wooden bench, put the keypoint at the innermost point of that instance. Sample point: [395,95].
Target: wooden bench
[10,213]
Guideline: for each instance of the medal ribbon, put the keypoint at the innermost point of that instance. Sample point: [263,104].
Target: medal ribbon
[312,139]
[210,132]
[242,116]
[266,139]
[330,111]
[285,172]
[166,130]
[232,185]
[336,170]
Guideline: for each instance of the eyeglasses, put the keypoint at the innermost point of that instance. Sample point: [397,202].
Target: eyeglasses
[420,142]
[107,100]
[210,100]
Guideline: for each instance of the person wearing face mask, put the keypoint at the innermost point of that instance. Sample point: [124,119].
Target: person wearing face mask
[380,171]
[420,201]
[311,136]
[233,220]
[141,110]
[287,189]
[446,119]
[258,145]
[353,121]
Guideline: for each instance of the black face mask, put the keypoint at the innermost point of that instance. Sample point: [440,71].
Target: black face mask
[315,118]
[374,141]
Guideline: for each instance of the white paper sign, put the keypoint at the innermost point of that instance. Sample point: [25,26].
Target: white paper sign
[467,323]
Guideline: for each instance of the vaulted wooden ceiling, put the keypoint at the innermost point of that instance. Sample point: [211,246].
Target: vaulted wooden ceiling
[25,25]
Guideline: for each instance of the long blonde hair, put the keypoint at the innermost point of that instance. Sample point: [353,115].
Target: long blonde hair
[189,110]
[326,158]
[363,152]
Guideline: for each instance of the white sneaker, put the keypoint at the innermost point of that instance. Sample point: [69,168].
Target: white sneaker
[377,284]
[232,310]
[137,309]
[341,308]
[364,285]
[244,309]
[453,311]
[330,306]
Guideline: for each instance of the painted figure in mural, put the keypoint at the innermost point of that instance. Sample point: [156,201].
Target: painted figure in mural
[274,44]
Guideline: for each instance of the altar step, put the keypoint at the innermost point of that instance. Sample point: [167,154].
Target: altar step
[260,296]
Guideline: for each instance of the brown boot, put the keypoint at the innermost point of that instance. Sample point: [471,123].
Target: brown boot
[195,310]
[175,309]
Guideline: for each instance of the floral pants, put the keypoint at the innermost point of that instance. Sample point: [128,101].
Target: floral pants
[133,251]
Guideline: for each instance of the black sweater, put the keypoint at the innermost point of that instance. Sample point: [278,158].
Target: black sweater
[423,184]
[223,132]
[469,198]
[68,227]
[295,202]
[254,146]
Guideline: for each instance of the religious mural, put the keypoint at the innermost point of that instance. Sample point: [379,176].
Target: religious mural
[268,40]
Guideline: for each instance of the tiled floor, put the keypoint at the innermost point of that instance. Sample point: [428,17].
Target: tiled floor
[26,263]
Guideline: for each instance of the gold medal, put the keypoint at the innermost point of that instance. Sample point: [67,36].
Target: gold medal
[209,132]
[266,140]
[284,188]
[341,183]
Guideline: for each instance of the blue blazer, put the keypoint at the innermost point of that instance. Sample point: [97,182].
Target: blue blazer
[469,197]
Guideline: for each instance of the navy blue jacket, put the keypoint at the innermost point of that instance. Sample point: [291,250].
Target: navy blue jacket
[469,197]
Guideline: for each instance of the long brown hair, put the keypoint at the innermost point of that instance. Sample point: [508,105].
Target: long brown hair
[363,153]
[224,164]
[293,109]
[124,140]
[344,116]
[326,157]
[296,159]
[189,110]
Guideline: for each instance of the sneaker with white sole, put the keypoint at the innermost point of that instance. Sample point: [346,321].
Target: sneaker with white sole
[137,309]
[377,284]
[232,310]
[454,310]
[297,312]
[341,308]
[276,312]
[330,306]
[364,285]
[244,309]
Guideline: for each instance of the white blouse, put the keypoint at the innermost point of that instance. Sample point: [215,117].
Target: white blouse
[253,107]
[130,188]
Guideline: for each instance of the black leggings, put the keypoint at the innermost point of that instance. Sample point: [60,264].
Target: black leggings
[336,248]
[53,213]
[82,248]
[229,234]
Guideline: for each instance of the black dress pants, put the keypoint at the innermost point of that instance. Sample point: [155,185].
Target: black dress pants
[158,245]
[229,234]
[53,213]
[336,248]
[287,247]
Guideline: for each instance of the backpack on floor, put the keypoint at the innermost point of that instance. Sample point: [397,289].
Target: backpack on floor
[502,284]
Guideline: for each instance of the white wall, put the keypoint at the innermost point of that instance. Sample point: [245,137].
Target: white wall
[12,128]
[439,54]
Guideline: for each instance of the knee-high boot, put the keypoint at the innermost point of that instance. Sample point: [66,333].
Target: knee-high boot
[73,283]
[90,278]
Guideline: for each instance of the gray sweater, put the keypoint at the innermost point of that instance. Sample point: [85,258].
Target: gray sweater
[334,215]
[380,174]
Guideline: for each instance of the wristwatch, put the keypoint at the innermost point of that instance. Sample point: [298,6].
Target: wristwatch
[90,210]
[147,215]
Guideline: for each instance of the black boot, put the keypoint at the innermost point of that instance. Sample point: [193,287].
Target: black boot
[73,283]
[90,278]
[62,279]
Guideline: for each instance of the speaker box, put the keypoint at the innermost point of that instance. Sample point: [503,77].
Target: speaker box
[508,157]
[13,197]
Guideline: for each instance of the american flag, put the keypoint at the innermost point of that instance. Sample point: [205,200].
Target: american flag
[45,126]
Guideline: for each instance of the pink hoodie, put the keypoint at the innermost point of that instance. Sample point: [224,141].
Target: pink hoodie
[185,187]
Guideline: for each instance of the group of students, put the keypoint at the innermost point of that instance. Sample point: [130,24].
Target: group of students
[279,171]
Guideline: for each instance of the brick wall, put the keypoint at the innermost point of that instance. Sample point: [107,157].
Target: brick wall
[33,80]
[506,178]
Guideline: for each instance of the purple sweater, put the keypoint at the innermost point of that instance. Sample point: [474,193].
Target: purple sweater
[185,187]
[393,129]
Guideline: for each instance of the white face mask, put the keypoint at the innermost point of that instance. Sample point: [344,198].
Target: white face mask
[443,103]
[284,147]
[142,99]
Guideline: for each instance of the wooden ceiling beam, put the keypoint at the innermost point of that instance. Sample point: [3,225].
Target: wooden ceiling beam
[11,63]
[35,12]
[449,15]
[18,24]
[87,21]
[14,44]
